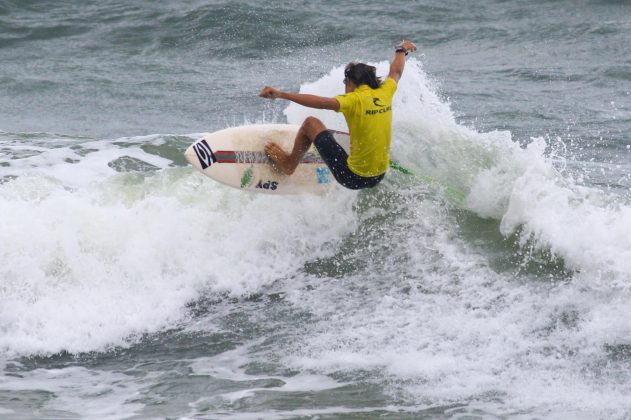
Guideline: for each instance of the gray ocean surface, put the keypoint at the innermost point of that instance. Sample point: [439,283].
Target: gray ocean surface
[132,287]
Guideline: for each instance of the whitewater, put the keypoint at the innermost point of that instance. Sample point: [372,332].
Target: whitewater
[511,302]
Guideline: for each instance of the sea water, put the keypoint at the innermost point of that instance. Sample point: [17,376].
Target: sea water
[493,283]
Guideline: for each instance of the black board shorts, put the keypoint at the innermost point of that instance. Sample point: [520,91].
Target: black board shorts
[336,158]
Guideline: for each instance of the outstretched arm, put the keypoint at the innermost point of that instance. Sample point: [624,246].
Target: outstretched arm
[398,64]
[311,101]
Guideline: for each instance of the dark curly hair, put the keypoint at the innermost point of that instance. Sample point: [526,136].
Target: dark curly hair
[362,74]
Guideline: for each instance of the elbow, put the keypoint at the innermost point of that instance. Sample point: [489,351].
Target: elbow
[395,75]
[328,104]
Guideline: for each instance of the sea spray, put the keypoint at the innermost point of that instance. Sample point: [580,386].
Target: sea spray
[519,186]
[95,258]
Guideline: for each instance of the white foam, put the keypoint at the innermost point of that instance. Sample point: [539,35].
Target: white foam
[79,391]
[443,326]
[458,331]
[122,257]
[519,186]
[117,255]
[315,413]
[231,364]
[583,226]
[79,166]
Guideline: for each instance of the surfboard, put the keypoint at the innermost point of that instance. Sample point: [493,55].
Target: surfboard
[235,157]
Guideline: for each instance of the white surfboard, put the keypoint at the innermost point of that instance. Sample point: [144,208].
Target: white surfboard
[236,157]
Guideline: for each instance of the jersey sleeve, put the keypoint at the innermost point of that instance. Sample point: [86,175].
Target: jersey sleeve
[390,86]
[347,102]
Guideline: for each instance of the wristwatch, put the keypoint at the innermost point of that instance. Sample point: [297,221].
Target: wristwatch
[400,48]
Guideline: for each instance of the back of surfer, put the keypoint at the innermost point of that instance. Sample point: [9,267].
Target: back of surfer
[367,108]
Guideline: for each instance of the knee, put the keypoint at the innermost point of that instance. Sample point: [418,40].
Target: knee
[311,122]
[313,126]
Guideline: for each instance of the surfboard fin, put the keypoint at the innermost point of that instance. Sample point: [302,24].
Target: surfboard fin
[455,193]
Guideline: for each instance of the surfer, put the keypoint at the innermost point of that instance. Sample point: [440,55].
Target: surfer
[367,108]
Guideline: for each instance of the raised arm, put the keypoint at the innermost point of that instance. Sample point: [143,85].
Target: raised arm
[398,64]
[311,101]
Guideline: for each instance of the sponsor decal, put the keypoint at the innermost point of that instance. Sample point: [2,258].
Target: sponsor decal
[247,178]
[204,154]
[247,156]
[322,175]
[378,111]
[268,185]
[375,100]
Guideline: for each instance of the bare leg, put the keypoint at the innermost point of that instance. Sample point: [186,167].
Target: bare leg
[307,133]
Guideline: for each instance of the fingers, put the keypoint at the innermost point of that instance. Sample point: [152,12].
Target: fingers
[408,45]
[270,148]
[265,92]
[269,92]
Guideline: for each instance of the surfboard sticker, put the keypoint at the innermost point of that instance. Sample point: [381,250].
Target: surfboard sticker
[322,174]
[248,156]
[246,179]
[204,154]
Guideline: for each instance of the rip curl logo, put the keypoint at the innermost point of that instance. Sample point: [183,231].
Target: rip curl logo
[378,111]
[381,107]
[375,100]
[204,154]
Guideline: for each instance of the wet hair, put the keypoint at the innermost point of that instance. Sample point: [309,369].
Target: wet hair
[362,74]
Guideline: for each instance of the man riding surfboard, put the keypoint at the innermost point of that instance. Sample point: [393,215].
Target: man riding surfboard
[367,108]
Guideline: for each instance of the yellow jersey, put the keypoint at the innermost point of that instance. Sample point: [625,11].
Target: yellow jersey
[368,113]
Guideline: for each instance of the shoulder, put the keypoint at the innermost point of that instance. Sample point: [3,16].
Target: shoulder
[389,84]
[347,100]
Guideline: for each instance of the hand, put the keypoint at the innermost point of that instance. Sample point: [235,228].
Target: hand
[269,93]
[408,45]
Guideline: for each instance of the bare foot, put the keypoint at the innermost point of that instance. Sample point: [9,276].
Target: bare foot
[279,158]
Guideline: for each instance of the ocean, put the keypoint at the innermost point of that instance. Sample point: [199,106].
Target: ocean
[133,287]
